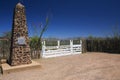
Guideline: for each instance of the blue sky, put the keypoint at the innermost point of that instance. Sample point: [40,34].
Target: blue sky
[69,18]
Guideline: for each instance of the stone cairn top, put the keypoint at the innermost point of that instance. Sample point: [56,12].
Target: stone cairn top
[19,5]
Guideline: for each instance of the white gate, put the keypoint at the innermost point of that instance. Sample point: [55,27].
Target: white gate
[61,50]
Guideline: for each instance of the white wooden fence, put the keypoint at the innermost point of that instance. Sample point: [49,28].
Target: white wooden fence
[61,50]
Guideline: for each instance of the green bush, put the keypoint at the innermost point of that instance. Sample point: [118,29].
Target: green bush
[111,45]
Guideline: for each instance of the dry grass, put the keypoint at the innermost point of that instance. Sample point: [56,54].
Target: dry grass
[90,66]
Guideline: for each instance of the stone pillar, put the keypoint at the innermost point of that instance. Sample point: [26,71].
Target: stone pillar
[20,50]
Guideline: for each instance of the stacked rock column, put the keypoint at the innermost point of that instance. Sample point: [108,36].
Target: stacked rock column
[20,53]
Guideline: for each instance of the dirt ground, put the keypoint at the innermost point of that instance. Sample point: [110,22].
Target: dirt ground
[89,66]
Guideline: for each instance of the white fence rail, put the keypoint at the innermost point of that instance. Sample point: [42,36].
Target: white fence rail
[61,50]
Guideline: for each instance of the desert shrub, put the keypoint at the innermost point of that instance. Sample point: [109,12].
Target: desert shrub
[111,45]
[51,43]
[65,42]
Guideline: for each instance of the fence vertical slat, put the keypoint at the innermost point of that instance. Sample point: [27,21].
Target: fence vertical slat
[71,46]
[58,43]
[43,48]
[81,46]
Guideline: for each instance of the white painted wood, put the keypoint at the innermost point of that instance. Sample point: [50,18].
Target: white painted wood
[61,50]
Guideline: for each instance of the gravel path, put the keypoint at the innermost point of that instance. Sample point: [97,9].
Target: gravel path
[89,66]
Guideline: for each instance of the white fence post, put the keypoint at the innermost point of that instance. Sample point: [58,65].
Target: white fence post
[81,46]
[71,46]
[43,48]
[44,43]
[58,44]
